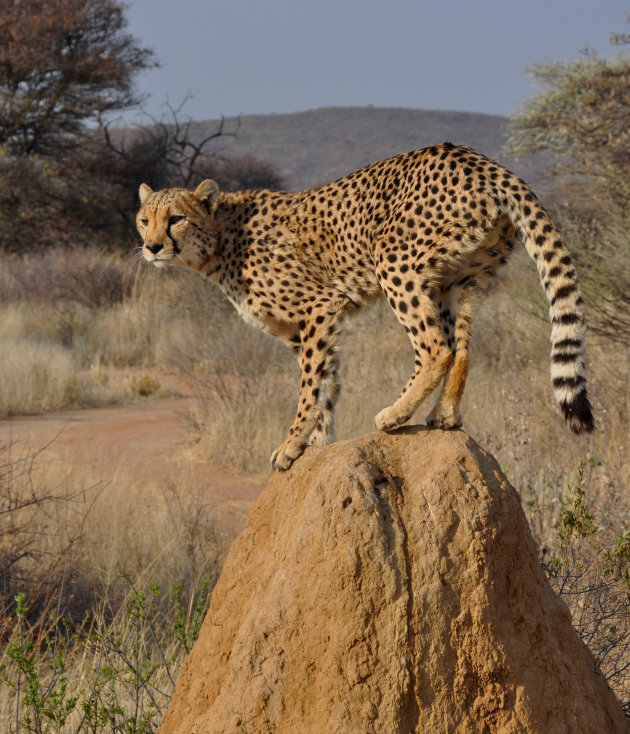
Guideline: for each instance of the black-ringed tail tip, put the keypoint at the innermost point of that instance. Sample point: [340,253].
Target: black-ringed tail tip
[578,414]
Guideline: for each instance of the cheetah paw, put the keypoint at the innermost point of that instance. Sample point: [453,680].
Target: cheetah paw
[388,418]
[285,455]
[444,419]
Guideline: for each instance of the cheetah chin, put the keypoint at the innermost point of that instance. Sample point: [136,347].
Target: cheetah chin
[160,263]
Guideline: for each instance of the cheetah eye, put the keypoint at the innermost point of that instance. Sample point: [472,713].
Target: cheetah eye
[176,218]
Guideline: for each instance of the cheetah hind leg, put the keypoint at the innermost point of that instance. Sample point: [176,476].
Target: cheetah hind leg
[459,305]
[417,389]
[456,314]
[445,413]
[432,359]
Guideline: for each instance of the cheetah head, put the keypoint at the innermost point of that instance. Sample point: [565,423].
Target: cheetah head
[177,226]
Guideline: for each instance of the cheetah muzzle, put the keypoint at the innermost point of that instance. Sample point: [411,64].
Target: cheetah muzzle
[427,229]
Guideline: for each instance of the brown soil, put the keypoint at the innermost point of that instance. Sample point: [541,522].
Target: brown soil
[150,440]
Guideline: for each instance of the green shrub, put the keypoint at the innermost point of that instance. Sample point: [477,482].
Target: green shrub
[112,675]
[587,561]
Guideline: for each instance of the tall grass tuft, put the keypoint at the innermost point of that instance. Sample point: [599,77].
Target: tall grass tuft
[70,322]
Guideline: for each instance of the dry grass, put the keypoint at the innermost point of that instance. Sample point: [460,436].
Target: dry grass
[63,342]
[158,530]
[39,377]
[76,332]
[136,557]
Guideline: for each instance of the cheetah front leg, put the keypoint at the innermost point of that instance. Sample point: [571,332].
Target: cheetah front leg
[320,338]
[324,431]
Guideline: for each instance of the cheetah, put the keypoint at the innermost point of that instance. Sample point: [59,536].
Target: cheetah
[427,229]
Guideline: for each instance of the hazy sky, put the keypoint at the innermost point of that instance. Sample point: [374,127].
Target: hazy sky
[256,56]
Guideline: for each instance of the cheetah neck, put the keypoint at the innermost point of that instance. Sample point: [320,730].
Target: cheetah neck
[212,266]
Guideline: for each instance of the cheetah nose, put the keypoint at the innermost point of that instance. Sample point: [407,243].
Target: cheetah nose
[154,247]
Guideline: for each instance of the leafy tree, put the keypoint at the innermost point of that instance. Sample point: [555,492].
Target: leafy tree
[66,176]
[64,66]
[243,171]
[63,63]
[582,116]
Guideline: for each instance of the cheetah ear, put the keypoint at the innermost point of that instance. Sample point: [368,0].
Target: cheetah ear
[208,194]
[145,192]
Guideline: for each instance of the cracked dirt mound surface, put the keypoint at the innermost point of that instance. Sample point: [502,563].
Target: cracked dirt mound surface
[145,440]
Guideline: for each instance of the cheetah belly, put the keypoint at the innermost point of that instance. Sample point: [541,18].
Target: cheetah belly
[265,322]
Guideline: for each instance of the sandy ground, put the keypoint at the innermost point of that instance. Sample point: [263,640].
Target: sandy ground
[146,440]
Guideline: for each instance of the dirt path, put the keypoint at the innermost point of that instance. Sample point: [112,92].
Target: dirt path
[147,440]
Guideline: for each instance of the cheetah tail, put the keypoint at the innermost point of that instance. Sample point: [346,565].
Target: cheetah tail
[566,309]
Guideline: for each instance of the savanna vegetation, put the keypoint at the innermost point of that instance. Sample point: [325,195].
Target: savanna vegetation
[100,600]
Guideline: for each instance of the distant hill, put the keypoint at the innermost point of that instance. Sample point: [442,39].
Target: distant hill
[318,146]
